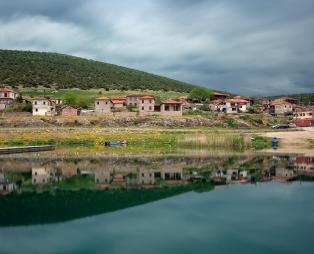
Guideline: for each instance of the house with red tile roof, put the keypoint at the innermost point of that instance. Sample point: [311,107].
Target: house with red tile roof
[146,104]
[171,107]
[217,105]
[281,108]
[103,105]
[234,106]
[7,96]
[218,96]
[117,104]
[287,99]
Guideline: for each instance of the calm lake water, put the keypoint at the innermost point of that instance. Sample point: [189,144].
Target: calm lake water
[265,204]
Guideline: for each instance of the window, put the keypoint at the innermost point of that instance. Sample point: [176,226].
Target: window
[106,102]
[142,101]
[150,101]
[166,107]
[5,95]
[44,103]
[150,108]
[36,109]
[35,102]
[97,102]
[142,108]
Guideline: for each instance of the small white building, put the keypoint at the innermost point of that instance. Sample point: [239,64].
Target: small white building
[43,107]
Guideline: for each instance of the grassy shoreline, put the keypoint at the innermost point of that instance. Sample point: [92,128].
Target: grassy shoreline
[147,140]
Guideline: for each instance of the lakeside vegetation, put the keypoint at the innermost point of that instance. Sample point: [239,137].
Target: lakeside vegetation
[139,140]
[32,69]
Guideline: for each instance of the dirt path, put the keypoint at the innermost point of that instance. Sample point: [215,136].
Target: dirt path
[293,141]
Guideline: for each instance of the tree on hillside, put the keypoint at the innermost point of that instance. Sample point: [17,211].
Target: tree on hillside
[75,100]
[200,94]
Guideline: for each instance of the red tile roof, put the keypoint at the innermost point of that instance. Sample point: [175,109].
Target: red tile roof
[183,97]
[103,98]
[118,98]
[6,89]
[275,103]
[171,101]
[115,101]
[219,94]
[237,101]
[147,97]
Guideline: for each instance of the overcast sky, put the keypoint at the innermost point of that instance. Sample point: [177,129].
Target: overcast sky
[251,47]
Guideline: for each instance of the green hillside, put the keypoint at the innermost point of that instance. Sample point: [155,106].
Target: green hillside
[32,69]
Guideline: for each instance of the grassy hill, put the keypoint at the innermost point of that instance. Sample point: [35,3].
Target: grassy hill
[32,69]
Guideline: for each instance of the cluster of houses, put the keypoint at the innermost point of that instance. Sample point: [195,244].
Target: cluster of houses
[151,105]
[143,104]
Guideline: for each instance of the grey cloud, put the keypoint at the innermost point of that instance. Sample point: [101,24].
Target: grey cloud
[248,46]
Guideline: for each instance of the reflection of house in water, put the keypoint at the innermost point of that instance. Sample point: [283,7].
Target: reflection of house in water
[150,177]
[42,175]
[282,173]
[147,177]
[119,179]
[304,164]
[103,177]
[230,175]
[5,185]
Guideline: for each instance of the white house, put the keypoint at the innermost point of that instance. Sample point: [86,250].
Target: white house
[233,106]
[43,107]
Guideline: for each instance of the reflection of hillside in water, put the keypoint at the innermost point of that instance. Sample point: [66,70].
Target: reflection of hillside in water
[54,190]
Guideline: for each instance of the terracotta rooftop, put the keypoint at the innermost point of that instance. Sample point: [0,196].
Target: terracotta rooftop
[147,97]
[103,98]
[116,101]
[6,89]
[171,101]
[274,103]
[118,98]
[220,94]
[242,97]
[237,101]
